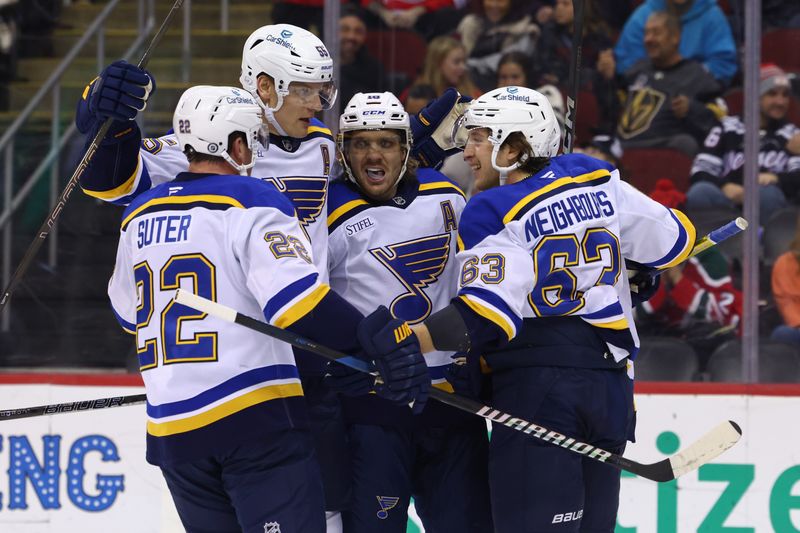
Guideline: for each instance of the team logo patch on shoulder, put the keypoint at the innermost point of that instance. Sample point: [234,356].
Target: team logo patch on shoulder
[386,503]
[272,527]
[307,195]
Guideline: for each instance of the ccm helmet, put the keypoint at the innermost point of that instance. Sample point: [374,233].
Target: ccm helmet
[287,54]
[512,109]
[206,115]
[373,111]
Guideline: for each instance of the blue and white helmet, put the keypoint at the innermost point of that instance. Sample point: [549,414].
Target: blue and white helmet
[512,109]
[373,111]
[287,54]
[206,116]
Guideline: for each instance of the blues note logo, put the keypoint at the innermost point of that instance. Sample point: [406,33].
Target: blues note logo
[416,264]
[307,196]
[386,503]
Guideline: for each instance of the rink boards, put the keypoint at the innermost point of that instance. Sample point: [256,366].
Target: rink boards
[86,471]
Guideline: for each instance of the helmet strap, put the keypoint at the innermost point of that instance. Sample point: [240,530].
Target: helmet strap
[241,169]
[502,170]
[269,112]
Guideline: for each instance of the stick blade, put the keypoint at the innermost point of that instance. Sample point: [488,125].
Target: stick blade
[707,448]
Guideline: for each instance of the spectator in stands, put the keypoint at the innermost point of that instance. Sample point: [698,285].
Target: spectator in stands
[717,171]
[359,71]
[706,36]
[427,17]
[695,300]
[499,26]
[786,291]
[445,66]
[303,13]
[552,57]
[605,147]
[514,68]
[671,100]
[613,12]
[418,97]
[9,36]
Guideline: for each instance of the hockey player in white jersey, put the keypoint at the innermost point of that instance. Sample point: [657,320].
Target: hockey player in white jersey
[392,243]
[543,297]
[289,72]
[227,422]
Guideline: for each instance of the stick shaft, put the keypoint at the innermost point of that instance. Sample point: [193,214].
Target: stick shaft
[72,407]
[661,471]
[571,117]
[55,212]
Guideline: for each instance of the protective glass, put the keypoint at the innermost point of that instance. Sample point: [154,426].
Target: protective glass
[460,133]
[313,93]
[262,136]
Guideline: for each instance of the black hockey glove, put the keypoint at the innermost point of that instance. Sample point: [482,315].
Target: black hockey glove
[465,377]
[395,352]
[347,381]
[432,128]
[644,283]
[120,92]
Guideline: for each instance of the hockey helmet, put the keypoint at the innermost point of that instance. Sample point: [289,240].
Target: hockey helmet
[373,111]
[507,110]
[207,115]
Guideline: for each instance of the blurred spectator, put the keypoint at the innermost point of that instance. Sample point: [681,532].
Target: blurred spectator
[774,14]
[9,35]
[670,99]
[499,26]
[445,66]
[514,68]
[613,12]
[418,97]
[786,291]
[705,37]
[552,58]
[359,71]
[695,300]
[427,17]
[303,13]
[717,172]
[607,148]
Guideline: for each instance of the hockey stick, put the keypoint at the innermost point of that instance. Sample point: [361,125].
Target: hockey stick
[72,407]
[571,115]
[718,235]
[707,448]
[50,221]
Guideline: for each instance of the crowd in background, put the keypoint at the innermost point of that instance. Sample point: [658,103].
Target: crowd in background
[660,96]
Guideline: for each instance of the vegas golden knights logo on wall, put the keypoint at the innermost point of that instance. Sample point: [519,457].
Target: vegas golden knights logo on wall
[642,106]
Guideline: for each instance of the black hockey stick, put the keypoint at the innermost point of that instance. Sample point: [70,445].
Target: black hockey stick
[574,76]
[72,407]
[700,452]
[50,221]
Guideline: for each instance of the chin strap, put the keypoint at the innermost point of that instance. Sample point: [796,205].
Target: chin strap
[269,113]
[504,170]
[241,169]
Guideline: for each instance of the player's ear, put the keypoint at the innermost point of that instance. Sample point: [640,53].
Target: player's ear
[239,151]
[266,90]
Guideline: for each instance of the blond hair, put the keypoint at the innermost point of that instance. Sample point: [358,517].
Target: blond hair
[438,49]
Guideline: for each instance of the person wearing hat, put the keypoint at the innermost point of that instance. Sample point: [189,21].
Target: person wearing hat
[717,171]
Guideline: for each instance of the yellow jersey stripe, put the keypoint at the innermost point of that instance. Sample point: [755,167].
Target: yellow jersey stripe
[620,324]
[440,185]
[207,198]
[691,237]
[264,394]
[583,178]
[303,307]
[317,129]
[343,210]
[459,244]
[489,314]
[125,188]
[445,386]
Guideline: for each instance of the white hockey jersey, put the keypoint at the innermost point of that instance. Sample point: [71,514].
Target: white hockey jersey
[399,253]
[555,244]
[300,168]
[234,240]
